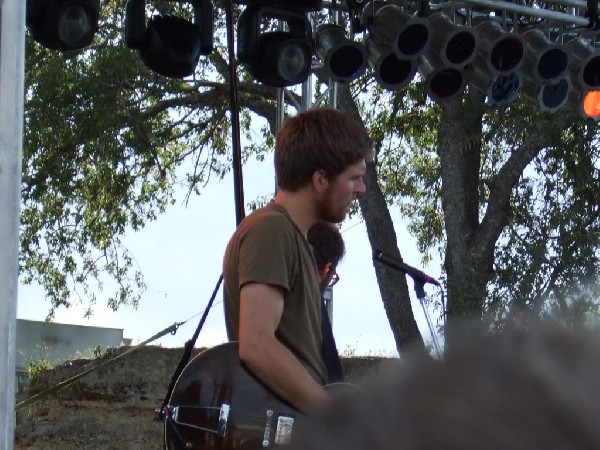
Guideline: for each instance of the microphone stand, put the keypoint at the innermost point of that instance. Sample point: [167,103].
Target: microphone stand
[420,291]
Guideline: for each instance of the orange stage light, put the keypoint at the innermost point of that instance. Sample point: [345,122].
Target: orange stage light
[591,104]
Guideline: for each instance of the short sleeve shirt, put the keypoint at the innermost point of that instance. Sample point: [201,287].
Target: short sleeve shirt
[268,248]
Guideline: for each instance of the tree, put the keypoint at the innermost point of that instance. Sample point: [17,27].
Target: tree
[105,137]
[466,182]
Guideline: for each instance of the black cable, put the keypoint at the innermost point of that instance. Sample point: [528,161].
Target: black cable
[238,184]
[187,353]
[592,12]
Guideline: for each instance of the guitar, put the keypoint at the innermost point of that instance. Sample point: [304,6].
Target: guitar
[217,403]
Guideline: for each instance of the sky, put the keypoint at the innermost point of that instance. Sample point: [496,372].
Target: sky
[180,257]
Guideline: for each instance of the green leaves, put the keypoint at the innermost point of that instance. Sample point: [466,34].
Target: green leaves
[545,261]
[104,140]
[548,257]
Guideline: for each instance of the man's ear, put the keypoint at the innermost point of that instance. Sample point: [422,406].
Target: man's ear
[324,271]
[320,180]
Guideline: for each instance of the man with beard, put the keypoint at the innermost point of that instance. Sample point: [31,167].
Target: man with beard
[272,296]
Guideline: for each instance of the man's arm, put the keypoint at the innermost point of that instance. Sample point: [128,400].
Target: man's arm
[261,307]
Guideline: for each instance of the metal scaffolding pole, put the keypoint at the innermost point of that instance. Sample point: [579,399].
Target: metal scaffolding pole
[12,54]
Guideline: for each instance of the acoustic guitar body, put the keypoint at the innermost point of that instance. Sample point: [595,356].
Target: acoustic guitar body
[218,404]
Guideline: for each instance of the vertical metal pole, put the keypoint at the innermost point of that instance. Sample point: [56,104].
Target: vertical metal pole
[307,86]
[333,93]
[12,54]
[306,102]
[280,114]
[333,85]
[333,90]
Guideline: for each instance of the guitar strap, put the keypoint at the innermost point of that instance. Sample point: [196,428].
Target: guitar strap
[331,357]
[187,353]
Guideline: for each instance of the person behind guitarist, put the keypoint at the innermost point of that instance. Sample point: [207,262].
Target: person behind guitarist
[328,248]
[271,286]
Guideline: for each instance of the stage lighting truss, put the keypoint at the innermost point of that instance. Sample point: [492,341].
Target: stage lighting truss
[63,24]
[541,49]
[545,49]
[170,45]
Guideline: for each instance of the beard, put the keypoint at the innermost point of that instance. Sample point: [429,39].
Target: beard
[330,210]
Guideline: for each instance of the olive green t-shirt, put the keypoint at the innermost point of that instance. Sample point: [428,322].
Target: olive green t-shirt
[268,248]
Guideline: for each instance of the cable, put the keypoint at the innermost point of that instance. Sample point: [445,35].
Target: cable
[238,183]
[45,393]
[187,353]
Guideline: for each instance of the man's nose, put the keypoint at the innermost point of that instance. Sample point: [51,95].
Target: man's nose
[359,187]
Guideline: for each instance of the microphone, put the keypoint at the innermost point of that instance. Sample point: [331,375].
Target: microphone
[397,264]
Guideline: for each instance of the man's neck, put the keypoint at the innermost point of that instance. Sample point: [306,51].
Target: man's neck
[300,206]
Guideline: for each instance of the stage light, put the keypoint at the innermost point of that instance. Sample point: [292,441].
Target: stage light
[502,52]
[442,83]
[585,77]
[585,65]
[550,96]
[504,89]
[343,59]
[389,71]
[457,44]
[545,61]
[499,90]
[170,46]
[408,36]
[275,58]
[545,71]
[452,48]
[591,105]
[63,24]
[554,96]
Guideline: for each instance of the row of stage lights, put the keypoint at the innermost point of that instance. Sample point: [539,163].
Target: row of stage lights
[396,45]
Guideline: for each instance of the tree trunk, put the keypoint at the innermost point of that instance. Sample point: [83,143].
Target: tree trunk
[471,242]
[380,229]
[467,267]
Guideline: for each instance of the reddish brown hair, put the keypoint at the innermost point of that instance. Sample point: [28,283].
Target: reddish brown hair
[318,139]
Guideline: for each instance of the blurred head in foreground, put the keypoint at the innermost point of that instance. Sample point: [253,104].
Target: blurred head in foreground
[536,389]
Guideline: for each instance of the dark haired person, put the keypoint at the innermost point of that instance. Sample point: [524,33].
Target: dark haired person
[271,284]
[328,249]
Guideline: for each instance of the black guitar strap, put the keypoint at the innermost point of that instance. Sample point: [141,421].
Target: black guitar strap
[331,357]
[187,353]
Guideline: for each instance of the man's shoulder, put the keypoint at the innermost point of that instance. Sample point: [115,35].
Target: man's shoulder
[267,225]
[269,215]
